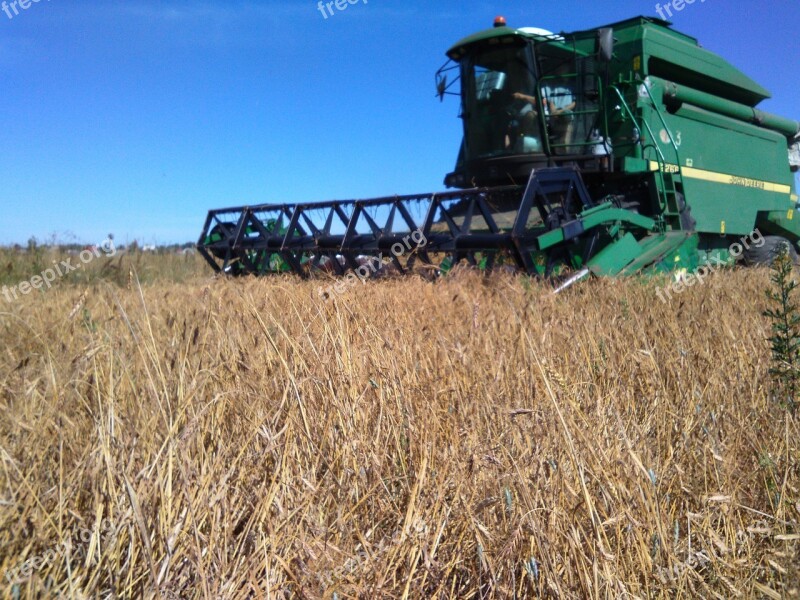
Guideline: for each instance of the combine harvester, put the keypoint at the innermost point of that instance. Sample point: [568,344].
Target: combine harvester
[601,152]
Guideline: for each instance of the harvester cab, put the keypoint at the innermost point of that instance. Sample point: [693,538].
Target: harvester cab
[604,152]
[530,100]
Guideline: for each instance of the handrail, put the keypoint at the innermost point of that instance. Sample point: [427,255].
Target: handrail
[662,161]
[575,114]
[664,123]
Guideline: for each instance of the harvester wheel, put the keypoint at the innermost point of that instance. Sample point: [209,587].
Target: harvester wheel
[766,254]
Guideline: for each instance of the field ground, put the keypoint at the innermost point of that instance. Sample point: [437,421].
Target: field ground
[469,438]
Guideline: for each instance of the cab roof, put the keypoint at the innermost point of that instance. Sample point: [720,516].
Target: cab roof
[459,48]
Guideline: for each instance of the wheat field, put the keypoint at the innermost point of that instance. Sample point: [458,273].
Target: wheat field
[474,437]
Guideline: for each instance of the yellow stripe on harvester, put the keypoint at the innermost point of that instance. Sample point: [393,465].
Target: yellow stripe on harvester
[715,177]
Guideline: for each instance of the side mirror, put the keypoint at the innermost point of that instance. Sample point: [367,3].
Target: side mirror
[605,44]
[441,86]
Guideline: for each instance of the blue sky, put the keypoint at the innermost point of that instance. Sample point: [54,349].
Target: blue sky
[136,117]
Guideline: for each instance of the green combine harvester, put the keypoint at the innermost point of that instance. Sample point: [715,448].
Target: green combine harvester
[602,152]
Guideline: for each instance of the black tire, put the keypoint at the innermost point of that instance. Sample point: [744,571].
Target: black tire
[766,254]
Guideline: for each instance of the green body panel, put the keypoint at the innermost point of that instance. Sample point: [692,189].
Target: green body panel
[675,250]
[729,171]
[676,94]
[612,259]
[783,223]
[605,214]
[675,56]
